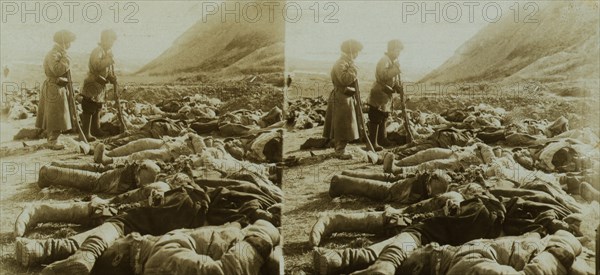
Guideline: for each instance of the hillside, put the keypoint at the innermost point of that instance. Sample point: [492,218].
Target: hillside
[213,46]
[561,50]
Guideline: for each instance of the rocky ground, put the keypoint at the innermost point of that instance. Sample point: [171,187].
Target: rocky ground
[306,186]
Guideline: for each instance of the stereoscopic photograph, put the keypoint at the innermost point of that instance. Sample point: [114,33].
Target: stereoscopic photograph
[300,137]
[141,137]
[442,138]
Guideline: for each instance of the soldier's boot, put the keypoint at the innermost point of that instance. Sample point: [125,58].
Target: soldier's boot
[139,145]
[86,120]
[389,166]
[344,185]
[588,192]
[100,156]
[57,176]
[427,155]
[140,194]
[393,253]
[344,261]
[372,128]
[83,260]
[327,224]
[72,212]
[36,252]
[387,177]
[382,135]
[95,126]
[92,167]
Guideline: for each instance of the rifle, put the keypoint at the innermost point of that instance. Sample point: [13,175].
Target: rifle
[362,126]
[83,146]
[400,90]
[122,125]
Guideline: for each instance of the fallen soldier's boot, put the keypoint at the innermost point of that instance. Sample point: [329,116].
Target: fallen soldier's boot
[330,261]
[589,193]
[387,177]
[370,222]
[79,179]
[82,261]
[142,144]
[73,212]
[389,166]
[344,185]
[100,154]
[35,252]
[92,167]
[392,256]
[425,156]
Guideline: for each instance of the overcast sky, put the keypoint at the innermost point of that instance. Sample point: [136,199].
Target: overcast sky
[427,45]
[159,23]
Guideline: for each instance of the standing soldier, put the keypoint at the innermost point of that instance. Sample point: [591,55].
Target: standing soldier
[53,110]
[340,121]
[94,85]
[387,75]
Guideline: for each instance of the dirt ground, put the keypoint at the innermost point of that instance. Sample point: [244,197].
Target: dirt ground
[20,167]
[306,186]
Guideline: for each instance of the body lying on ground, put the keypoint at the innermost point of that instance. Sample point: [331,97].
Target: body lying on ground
[207,202]
[526,254]
[98,178]
[226,249]
[264,148]
[450,219]
[580,160]
[239,123]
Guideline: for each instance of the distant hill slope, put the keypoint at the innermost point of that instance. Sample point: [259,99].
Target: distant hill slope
[561,50]
[214,46]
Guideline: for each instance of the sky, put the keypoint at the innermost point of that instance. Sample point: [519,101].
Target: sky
[145,29]
[427,43]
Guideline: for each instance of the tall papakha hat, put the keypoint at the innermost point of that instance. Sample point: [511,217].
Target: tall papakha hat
[108,35]
[394,44]
[351,45]
[64,36]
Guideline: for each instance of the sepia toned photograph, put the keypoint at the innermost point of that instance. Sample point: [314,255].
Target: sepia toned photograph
[263,137]
[440,137]
[141,137]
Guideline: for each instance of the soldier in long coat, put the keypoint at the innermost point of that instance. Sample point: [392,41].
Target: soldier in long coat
[94,85]
[387,75]
[53,109]
[340,121]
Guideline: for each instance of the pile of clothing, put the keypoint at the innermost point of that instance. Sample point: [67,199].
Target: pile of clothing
[306,113]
